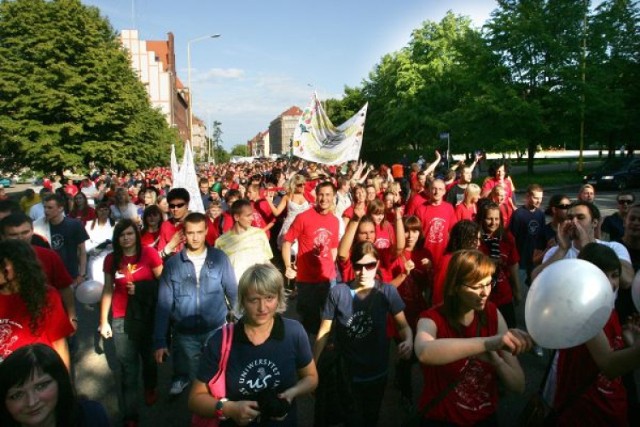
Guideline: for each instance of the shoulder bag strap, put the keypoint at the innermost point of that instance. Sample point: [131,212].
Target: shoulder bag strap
[227,338]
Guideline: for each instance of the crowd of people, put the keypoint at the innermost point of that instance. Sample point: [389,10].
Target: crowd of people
[413,256]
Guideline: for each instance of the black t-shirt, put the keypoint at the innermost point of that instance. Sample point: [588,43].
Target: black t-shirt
[65,238]
[361,327]
[252,368]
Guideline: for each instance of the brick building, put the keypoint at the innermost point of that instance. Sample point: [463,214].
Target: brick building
[281,131]
[155,63]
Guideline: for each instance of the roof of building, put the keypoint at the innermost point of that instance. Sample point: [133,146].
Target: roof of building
[293,111]
[161,49]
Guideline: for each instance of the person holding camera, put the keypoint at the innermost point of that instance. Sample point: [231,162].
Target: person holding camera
[270,361]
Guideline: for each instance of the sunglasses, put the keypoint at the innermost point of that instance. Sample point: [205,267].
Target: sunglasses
[368,266]
[625,202]
[563,206]
[177,205]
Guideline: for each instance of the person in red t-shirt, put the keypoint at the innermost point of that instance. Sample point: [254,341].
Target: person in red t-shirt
[20,226]
[468,208]
[587,388]
[30,311]
[130,294]
[464,347]
[437,218]
[464,235]
[151,224]
[81,209]
[218,222]
[385,234]
[316,231]
[359,196]
[262,215]
[499,244]
[171,235]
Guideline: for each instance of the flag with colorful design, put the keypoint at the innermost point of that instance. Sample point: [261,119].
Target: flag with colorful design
[316,139]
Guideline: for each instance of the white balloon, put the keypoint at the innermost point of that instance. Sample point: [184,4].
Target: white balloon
[635,291]
[568,304]
[89,292]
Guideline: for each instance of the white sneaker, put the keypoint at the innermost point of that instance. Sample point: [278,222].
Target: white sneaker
[178,386]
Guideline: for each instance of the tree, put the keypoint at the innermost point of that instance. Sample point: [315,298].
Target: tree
[539,41]
[240,150]
[68,95]
[612,71]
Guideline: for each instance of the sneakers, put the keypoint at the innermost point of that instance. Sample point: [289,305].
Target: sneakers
[151,396]
[178,386]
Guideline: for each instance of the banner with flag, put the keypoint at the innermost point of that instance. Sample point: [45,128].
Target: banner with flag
[316,139]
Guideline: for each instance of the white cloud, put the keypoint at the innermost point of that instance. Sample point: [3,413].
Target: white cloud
[220,73]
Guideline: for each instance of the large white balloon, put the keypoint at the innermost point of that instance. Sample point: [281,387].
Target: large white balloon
[635,291]
[568,304]
[89,292]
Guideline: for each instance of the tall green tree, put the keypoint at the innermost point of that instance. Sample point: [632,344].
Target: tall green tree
[68,95]
[240,150]
[612,92]
[539,41]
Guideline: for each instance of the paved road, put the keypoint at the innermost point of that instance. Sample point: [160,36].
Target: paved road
[95,370]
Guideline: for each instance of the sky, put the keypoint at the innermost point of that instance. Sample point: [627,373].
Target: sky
[272,54]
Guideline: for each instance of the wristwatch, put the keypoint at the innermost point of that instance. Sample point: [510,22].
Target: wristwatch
[219,406]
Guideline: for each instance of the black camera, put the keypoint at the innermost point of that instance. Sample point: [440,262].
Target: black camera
[271,406]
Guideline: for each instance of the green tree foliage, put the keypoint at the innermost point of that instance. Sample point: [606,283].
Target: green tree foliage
[612,92]
[68,95]
[239,150]
[513,86]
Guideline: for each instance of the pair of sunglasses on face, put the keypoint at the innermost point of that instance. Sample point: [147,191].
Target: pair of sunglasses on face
[368,266]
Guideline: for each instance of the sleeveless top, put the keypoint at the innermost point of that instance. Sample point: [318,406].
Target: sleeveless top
[293,210]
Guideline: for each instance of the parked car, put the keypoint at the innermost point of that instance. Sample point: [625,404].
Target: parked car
[617,173]
[6,182]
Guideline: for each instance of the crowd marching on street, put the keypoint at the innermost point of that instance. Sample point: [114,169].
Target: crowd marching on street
[410,263]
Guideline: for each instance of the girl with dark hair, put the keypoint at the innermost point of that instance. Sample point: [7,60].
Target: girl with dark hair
[359,310]
[151,222]
[385,234]
[585,387]
[81,209]
[499,245]
[163,204]
[465,347]
[465,234]
[130,294]
[30,311]
[358,203]
[35,390]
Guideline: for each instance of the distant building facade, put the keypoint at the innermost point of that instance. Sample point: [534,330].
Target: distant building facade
[199,143]
[281,131]
[155,63]
[258,146]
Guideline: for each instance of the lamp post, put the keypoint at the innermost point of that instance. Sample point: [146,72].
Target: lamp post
[212,36]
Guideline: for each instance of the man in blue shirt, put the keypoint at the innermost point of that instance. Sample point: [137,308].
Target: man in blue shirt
[197,288]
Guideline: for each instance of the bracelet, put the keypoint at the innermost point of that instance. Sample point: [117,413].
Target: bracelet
[219,406]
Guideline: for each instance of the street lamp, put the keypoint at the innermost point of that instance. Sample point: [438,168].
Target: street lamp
[212,36]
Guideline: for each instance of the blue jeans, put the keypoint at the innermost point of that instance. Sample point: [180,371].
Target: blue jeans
[187,349]
[130,354]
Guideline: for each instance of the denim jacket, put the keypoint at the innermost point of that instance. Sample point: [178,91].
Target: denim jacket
[195,307]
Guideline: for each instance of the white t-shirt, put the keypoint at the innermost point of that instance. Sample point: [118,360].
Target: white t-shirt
[198,262]
[618,248]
